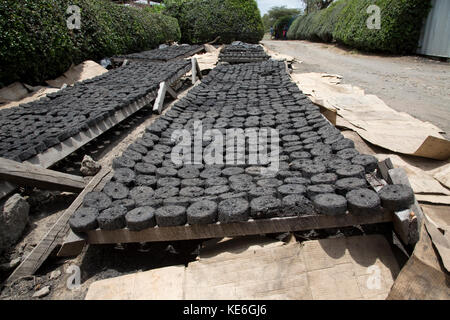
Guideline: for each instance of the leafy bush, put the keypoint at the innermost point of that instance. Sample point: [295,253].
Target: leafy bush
[204,20]
[275,13]
[36,44]
[280,24]
[345,22]
[401,23]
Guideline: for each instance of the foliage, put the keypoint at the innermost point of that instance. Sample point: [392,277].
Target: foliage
[345,21]
[204,20]
[275,13]
[36,44]
[401,23]
[280,24]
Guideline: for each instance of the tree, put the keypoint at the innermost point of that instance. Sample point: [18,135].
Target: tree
[275,13]
[316,5]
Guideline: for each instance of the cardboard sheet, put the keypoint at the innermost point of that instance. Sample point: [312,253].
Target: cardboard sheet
[423,277]
[372,119]
[208,60]
[439,216]
[14,91]
[254,268]
[442,174]
[279,56]
[83,71]
[39,93]
[19,93]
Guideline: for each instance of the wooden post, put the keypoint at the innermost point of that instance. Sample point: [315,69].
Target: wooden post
[159,102]
[194,70]
[218,230]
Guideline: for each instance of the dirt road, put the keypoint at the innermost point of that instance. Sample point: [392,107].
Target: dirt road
[412,84]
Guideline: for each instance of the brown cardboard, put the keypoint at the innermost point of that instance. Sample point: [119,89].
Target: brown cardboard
[259,268]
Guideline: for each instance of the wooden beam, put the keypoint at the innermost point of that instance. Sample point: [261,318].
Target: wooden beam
[24,174]
[72,246]
[219,230]
[172,92]
[196,72]
[159,102]
[58,231]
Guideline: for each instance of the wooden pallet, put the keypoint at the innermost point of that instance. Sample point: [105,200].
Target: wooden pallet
[219,230]
[119,60]
[67,147]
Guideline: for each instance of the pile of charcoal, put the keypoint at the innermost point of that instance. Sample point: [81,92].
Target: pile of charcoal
[32,128]
[318,170]
[164,54]
[239,52]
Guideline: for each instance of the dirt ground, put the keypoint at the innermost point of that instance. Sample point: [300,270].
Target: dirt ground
[417,85]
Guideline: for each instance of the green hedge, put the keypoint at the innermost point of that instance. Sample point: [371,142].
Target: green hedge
[345,22]
[204,20]
[36,45]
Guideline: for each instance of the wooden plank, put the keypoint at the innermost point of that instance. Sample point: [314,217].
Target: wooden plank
[172,92]
[72,246]
[218,230]
[58,231]
[194,70]
[24,174]
[159,101]
[197,67]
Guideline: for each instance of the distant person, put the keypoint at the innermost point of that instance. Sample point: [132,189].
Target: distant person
[271,33]
[285,30]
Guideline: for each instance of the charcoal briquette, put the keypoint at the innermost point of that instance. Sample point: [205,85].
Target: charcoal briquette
[171,216]
[202,212]
[84,219]
[140,219]
[396,197]
[330,204]
[363,201]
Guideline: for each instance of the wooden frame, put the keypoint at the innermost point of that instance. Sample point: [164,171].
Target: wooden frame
[187,55]
[55,154]
[218,230]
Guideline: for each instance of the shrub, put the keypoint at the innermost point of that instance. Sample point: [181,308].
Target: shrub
[35,43]
[345,22]
[204,20]
[281,23]
[401,23]
[317,26]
